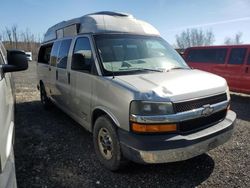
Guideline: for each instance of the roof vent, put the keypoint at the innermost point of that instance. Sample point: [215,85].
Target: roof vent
[109,13]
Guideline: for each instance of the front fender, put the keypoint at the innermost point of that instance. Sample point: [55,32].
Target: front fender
[108,112]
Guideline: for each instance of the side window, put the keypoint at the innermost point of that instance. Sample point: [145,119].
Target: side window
[237,56]
[248,60]
[44,54]
[82,56]
[216,56]
[63,54]
[54,53]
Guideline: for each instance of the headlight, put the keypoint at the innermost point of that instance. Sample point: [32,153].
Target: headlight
[151,108]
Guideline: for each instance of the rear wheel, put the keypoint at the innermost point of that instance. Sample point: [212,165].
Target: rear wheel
[107,145]
[44,98]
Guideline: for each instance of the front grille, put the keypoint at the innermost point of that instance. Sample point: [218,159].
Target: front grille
[202,122]
[194,104]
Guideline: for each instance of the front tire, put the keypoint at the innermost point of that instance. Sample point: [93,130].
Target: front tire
[107,145]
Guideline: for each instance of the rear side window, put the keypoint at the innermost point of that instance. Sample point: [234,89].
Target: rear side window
[216,55]
[44,54]
[82,58]
[237,56]
[54,53]
[248,60]
[63,54]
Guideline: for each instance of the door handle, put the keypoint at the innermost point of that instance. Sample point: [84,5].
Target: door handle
[56,74]
[68,77]
[246,70]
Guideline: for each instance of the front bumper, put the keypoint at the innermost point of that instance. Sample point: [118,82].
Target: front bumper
[175,147]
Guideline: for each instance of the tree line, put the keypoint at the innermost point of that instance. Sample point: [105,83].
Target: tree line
[199,37]
[13,38]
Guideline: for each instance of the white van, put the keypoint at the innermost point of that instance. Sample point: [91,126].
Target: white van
[9,62]
[29,56]
[121,81]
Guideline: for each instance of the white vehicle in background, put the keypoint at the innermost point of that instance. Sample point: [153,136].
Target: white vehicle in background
[10,61]
[29,56]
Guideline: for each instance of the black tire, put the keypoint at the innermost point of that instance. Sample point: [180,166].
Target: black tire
[44,98]
[116,160]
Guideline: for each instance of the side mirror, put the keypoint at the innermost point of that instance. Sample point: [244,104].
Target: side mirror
[78,62]
[17,61]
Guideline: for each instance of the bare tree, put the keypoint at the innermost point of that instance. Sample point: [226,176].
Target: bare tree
[14,35]
[194,37]
[9,35]
[234,40]
[23,40]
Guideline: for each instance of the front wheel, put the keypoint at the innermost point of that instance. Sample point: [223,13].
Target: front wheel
[107,145]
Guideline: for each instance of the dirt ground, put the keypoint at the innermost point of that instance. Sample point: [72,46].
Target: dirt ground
[51,150]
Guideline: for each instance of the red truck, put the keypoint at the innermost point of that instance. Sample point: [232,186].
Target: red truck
[231,62]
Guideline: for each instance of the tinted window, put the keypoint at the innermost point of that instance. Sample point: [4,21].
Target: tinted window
[54,53]
[44,54]
[63,54]
[237,56]
[82,56]
[248,61]
[216,56]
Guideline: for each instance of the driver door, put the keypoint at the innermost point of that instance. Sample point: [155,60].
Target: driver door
[6,115]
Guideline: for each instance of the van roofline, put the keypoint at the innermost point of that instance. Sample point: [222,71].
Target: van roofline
[104,33]
[100,22]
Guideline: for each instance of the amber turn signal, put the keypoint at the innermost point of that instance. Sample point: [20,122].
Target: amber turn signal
[151,128]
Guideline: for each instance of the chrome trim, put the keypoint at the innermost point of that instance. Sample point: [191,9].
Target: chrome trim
[179,117]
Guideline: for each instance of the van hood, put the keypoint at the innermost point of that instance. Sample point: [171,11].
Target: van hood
[175,85]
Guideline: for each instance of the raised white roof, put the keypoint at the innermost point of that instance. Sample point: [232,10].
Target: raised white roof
[100,22]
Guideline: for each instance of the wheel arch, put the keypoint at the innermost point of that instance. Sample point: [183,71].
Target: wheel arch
[101,111]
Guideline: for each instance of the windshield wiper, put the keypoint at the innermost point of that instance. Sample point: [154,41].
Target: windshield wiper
[153,70]
[175,68]
[141,69]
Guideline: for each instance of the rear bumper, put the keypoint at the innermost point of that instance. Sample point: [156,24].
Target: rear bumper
[174,147]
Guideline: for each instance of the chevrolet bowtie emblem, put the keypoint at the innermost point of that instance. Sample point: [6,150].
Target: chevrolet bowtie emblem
[207,110]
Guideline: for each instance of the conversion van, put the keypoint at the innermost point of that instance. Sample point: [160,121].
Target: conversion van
[10,61]
[120,80]
[230,62]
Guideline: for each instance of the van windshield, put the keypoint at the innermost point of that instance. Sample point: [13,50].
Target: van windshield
[130,54]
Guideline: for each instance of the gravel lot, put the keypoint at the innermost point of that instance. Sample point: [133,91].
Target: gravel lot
[52,150]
